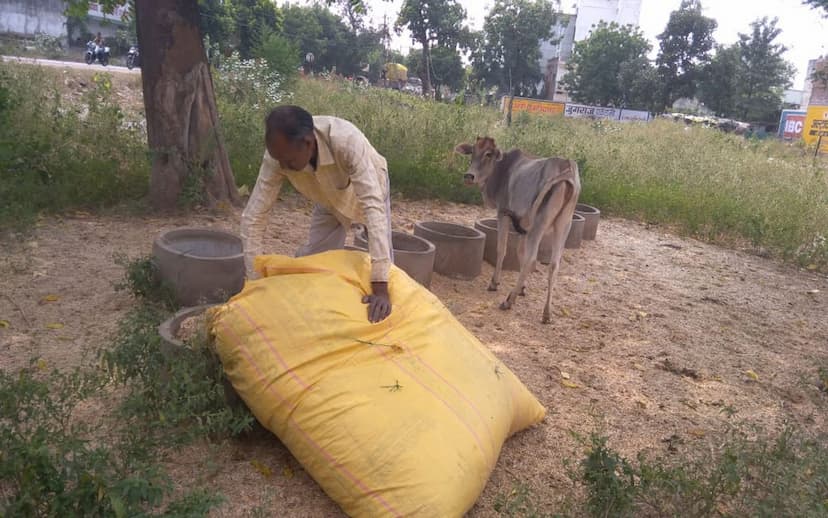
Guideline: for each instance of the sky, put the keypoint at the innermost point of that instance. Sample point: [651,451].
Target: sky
[804,30]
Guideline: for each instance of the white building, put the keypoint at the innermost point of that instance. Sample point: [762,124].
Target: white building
[815,93]
[28,18]
[576,27]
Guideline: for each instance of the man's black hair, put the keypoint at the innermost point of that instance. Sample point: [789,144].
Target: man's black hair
[291,121]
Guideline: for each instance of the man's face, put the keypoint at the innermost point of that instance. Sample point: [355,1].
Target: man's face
[292,155]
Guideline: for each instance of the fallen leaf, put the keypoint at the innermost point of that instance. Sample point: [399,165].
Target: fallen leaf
[4,324]
[287,472]
[569,384]
[811,267]
[244,190]
[565,312]
[41,364]
[592,280]
[697,432]
[585,325]
[642,314]
[565,375]
[49,298]
[638,367]
[640,403]
[55,325]
[752,375]
[261,468]
[813,292]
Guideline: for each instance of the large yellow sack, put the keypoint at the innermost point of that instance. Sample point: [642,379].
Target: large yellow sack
[401,418]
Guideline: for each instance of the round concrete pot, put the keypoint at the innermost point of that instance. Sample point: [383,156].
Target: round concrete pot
[459,249]
[201,265]
[576,232]
[413,255]
[175,349]
[489,227]
[591,215]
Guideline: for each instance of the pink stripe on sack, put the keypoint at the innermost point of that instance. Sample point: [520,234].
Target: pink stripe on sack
[438,398]
[270,345]
[456,391]
[411,375]
[366,491]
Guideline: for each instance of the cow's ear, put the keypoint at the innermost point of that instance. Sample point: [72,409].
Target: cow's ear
[464,149]
[498,154]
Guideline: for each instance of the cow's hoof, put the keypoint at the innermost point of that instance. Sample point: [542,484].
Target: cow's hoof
[505,305]
[492,286]
[522,292]
[546,320]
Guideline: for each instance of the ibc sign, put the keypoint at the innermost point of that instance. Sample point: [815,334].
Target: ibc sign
[791,124]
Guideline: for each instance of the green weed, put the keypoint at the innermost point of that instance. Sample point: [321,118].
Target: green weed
[58,154]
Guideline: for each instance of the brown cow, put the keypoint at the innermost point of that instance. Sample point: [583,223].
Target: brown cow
[534,195]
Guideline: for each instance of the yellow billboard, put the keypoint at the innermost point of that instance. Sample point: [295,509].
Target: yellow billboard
[523,104]
[816,126]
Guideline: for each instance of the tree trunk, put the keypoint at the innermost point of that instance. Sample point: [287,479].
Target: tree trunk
[427,79]
[182,118]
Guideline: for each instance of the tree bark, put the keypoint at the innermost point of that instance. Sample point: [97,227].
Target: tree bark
[180,104]
[426,61]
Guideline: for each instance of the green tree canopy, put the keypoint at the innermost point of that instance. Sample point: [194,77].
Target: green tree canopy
[430,22]
[763,73]
[685,49]
[317,30]
[508,49]
[602,68]
[818,4]
[717,89]
[446,67]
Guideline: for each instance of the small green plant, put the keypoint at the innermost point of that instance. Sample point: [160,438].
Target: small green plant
[518,503]
[174,394]
[610,480]
[60,154]
[53,464]
[785,475]
[143,280]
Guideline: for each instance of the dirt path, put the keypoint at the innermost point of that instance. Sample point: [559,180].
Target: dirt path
[664,338]
[70,64]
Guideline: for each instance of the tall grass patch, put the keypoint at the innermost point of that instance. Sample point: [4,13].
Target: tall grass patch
[58,154]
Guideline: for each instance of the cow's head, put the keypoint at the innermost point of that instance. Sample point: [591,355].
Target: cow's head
[484,157]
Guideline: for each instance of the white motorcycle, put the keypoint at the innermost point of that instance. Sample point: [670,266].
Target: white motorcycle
[96,53]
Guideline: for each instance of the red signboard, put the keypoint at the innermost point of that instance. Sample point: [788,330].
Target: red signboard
[793,126]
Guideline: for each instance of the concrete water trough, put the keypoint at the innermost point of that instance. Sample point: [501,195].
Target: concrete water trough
[414,255]
[489,227]
[459,249]
[202,265]
[576,232]
[591,216]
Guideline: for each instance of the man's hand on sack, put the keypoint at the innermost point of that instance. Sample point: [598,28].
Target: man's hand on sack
[379,303]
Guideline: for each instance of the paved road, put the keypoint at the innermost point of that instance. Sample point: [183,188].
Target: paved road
[69,64]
